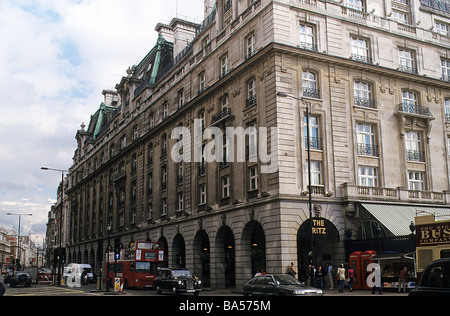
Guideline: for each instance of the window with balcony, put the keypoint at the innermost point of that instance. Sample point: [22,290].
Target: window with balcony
[410,104]
[310,85]
[360,49]
[366,140]
[407,61]
[307,37]
[315,142]
[368,176]
[363,94]
[414,148]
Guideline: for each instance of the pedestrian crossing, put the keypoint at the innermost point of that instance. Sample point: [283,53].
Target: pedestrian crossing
[43,291]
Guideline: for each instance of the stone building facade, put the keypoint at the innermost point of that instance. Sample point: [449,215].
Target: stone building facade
[375,75]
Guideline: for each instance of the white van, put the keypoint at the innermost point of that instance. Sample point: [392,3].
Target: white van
[78,271]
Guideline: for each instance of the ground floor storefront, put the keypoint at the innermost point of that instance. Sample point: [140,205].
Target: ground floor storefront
[225,249]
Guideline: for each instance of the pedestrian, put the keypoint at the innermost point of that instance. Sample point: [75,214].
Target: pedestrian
[351,278]
[340,276]
[330,276]
[292,270]
[309,272]
[319,277]
[2,289]
[403,279]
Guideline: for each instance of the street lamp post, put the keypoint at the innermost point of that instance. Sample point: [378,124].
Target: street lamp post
[18,234]
[308,144]
[60,252]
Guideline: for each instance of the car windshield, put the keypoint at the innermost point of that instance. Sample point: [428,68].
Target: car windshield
[286,280]
[181,273]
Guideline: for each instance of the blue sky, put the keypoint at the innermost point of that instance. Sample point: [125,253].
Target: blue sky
[56,57]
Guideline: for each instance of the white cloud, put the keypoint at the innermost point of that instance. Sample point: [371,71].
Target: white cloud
[55,59]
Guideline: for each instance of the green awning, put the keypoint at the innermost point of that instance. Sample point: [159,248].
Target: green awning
[397,218]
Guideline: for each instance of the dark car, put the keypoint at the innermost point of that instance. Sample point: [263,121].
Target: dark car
[435,279]
[20,278]
[278,284]
[176,281]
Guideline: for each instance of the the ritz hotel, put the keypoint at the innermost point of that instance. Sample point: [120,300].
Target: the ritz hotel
[375,76]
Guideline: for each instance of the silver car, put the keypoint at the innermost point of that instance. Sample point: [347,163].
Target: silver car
[278,284]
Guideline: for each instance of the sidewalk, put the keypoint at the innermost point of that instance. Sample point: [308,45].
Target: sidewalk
[385,292]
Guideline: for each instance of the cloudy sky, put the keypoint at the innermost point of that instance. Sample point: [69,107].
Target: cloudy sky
[56,57]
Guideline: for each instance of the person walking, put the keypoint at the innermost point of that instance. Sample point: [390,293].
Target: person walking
[403,279]
[319,277]
[330,276]
[340,276]
[351,277]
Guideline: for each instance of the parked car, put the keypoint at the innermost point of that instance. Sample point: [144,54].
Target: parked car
[20,278]
[278,284]
[435,279]
[176,281]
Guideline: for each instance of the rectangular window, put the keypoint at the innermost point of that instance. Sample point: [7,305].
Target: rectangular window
[223,66]
[202,194]
[368,176]
[316,173]
[365,135]
[445,68]
[416,181]
[202,82]
[226,187]
[314,133]
[180,201]
[253,178]
[163,207]
[310,85]
[406,60]
[307,40]
[250,46]
[413,144]
[360,49]
[363,95]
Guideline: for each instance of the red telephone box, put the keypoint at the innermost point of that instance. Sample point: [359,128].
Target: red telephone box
[355,263]
[365,261]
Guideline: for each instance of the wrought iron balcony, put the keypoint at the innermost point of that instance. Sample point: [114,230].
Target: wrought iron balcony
[368,150]
[415,155]
[414,108]
[368,103]
[311,93]
[224,113]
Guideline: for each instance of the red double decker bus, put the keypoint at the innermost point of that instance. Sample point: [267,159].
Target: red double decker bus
[137,266]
